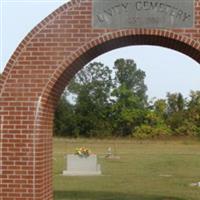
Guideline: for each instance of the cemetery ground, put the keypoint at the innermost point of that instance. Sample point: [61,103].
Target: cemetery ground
[146,170]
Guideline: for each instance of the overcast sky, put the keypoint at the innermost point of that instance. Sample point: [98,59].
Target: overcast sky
[166,70]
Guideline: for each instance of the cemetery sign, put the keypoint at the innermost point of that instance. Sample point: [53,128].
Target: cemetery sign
[143,14]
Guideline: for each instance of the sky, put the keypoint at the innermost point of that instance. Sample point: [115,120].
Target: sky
[166,70]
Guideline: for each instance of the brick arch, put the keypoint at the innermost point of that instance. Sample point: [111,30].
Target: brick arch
[36,75]
[118,39]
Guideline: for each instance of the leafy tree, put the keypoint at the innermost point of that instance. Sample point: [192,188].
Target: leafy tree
[176,105]
[160,108]
[193,114]
[64,120]
[154,125]
[130,98]
[194,107]
[176,102]
[119,107]
[92,86]
[130,79]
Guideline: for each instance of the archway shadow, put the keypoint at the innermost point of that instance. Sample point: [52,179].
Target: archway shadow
[101,195]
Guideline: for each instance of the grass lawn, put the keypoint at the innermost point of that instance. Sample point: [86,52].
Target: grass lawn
[146,170]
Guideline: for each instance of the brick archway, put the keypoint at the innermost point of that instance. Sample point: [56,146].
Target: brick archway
[36,75]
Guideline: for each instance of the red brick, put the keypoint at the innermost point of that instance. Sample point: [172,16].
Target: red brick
[42,65]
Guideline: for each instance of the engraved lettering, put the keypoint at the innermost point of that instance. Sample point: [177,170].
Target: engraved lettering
[146,5]
[115,9]
[100,18]
[109,12]
[144,13]
[138,5]
[186,16]
[179,14]
[173,12]
[154,5]
[125,5]
[163,8]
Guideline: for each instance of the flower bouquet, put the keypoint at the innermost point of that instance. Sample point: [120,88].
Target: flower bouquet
[82,152]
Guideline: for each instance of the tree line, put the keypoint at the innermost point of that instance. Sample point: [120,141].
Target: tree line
[115,104]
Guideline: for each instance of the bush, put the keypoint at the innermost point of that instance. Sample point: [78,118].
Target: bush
[188,129]
[148,132]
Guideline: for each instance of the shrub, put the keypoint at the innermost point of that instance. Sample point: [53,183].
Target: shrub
[147,131]
[188,129]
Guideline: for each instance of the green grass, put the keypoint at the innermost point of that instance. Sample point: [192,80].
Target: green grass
[139,174]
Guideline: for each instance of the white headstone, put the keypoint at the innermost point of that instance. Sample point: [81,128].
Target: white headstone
[81,166]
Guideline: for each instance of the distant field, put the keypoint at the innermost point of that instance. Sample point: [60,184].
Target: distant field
[146,170]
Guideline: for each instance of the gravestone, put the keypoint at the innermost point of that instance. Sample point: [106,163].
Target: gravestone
[81,166]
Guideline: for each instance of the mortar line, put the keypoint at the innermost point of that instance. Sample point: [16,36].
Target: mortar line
[1,146]
[38,104]
[1,39]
